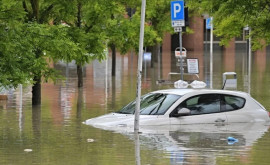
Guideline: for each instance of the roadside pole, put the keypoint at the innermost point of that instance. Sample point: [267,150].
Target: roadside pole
[139,70]
[249,61]
[20,110]
[181,57]
[106,74]
[158,52]
[211,54]
[207,27]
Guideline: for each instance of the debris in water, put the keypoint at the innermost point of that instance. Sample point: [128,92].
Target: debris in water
[232,140]
[28,150]
[90,140]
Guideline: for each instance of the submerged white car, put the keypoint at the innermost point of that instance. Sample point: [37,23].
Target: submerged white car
[187,106]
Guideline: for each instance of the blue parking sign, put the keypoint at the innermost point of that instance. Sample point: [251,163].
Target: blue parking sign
[208,23]
[177,10]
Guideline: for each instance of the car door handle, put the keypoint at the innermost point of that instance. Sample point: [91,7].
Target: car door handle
[219,120]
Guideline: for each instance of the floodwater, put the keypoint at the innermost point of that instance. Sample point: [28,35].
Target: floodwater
[53,133]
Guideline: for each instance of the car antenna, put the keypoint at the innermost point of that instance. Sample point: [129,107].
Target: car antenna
[224,84]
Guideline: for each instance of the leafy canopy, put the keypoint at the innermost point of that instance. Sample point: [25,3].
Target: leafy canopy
[231,16]
[33,35]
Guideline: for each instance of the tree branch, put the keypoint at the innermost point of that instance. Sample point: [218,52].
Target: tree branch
[88,28]
[46,13]
[25,7]
[26,10]
[35,8]
[79,15]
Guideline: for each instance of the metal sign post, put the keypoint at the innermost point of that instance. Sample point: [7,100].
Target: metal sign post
[181,59]
[249,60]
[211,52]
[139,71]
[178,21]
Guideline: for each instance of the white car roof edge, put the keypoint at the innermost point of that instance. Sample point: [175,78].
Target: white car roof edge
[199,91]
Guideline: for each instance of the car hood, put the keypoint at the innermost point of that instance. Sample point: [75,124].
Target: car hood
[111,120]
[125,122]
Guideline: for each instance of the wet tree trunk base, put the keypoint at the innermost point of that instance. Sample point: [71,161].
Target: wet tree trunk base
[113,59]
[36,91]
[80,76]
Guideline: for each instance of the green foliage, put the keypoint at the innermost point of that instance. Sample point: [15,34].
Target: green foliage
[124,32]
[157,22]
[120,31]
[87,30]
[158,15]
[230,17]
[29,40]
[26,49]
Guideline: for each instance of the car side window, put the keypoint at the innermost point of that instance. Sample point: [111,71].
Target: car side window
[202,104]
[231,103]
[208,103]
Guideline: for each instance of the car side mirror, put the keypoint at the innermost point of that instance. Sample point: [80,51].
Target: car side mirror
[183,112]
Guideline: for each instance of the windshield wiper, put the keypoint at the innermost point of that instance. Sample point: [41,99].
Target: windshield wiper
[158,107]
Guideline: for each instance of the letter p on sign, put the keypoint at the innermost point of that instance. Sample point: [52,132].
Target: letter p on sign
[176,9]
[177,12]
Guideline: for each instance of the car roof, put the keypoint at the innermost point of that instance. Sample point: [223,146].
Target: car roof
[182,92]
[175,91]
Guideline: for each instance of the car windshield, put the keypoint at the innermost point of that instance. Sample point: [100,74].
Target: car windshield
[151,104]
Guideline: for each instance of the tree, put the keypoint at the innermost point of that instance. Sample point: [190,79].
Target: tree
[32,39]
[158,15]
[36,32]
[158,21]
[120,31]
[12,52]
[86,29]
[48,42]
[230,17]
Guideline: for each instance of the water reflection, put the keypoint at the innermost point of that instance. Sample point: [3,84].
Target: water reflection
[203,146]
[36,121]
[137,148]
[20,108]
[66,95]
[80,102]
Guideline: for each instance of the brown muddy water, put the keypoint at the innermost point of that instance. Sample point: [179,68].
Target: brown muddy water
[53,133]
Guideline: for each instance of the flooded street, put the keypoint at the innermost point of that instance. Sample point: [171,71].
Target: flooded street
[53,133]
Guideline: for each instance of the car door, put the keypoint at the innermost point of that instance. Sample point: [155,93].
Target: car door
[204,109]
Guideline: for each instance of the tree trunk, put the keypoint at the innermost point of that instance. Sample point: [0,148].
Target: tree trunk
[113,59]
[80,75]
[158,60]
[79,66]
[155,52]
[36,91]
